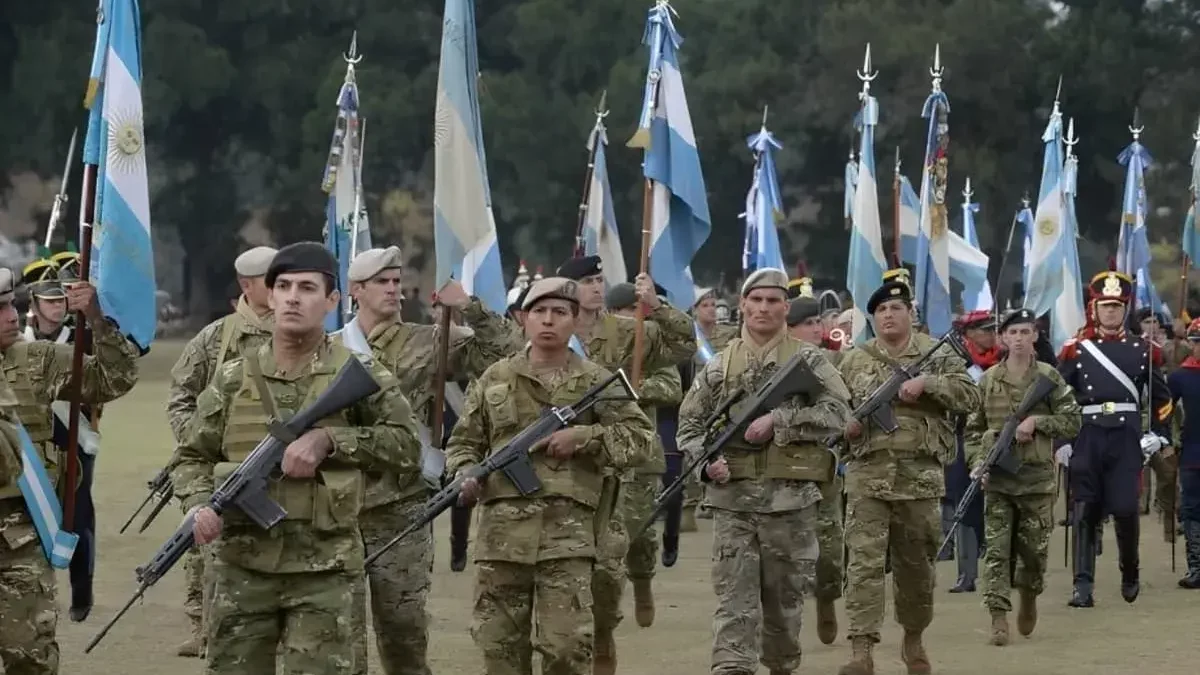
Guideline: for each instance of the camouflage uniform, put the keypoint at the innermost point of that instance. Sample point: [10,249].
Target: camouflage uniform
[222,340]
[535,554]
[893,486]
[290,590]
[765,544]
[1165,464]
[693,491]
[1019,509]
[401,578]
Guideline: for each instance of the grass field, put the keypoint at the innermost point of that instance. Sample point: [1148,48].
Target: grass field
[1158,635]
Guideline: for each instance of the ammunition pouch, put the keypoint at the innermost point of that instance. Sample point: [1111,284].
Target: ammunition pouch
[330,502]
[804,461]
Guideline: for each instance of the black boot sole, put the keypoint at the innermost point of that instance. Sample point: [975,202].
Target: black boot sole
[1130,592]
[79,614]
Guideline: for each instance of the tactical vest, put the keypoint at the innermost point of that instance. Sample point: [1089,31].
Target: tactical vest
[34,415]
[802,461]
[578,478]
[923,427]
[332,500]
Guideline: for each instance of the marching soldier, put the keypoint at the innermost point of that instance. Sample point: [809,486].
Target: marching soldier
[535,554]
[764,489]
[716,329]
[1185,387]
[894,481]
[1164,464]
[804,324]
[286,595]
[401,578]
[1109,370]
[1019,513]
[245,330]
[705,312]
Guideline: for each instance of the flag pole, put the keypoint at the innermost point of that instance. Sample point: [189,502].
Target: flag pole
[896,210]
[639,334]
[594,143]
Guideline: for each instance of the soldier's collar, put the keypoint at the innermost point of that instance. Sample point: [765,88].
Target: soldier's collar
[251,318]
[318,364]
[766,346]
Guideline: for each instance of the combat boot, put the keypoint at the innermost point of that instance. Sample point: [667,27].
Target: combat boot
[999,636]
[1085,559]
[643,602]
[194,646]
[861,661]
[670,536]
[1127,556]
[912,653]
[1027,614]
[687,522]
[1191,533]
[604,659]
[827,625]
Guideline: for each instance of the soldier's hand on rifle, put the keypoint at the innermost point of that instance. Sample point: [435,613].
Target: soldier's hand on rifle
[718,471]
[854,429]
[761,429]
[302,455]
[453,295]
[468,492]
[1026,428]
[81,297]
[912,389]
[980,474]
[644,286]
[562,444]
[206,525]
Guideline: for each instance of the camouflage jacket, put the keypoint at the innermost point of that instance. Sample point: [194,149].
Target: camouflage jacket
[906,464]
[558,521]
[236,333]
[1057,416]
[408,350]
[795,423]
[661,388]
[377,434]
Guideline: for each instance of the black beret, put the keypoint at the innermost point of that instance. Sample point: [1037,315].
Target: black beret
[892,290]
[1017,316]
[580,268]
[621,296]
[303,256]
[801,309]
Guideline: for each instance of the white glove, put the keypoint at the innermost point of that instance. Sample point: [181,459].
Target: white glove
[1063,455]
[1151,444]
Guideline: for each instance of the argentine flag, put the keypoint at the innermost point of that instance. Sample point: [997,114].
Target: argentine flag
[1068,315]
[975,297]
[866,264]
[968,265]
[600,234]
[1047,250]
[764,207]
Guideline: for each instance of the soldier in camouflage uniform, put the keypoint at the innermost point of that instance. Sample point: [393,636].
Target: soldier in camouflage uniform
[607,340]
[895,481]
[287,594]
[401,578]
[804,324]
[535,554]
[764,489]
[1019,509]
[659,388]
[223,340]
[1164,464]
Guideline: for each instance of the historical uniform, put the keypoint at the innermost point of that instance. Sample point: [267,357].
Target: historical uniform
[221,341]
[535,554]
[893,486]
[1019,515]
[1110,370]
[1185,390]
[401,578]
[288,592]
[765,543]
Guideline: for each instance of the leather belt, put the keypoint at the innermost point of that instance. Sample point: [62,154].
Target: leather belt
[1109,408]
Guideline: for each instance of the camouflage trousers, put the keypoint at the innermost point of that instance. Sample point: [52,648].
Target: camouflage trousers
[763,563]
[693,492]
[302,622]
[28,613]
[638,498]
[1017,529]
[612,545]
[197,583]
[399,582]
[909,530]
[829,536]
[511,597]
[1166,482]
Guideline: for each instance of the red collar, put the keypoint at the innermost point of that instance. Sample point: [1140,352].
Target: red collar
[1191,363]
[983,358]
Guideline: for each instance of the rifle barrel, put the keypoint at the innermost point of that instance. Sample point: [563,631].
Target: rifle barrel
[117,617]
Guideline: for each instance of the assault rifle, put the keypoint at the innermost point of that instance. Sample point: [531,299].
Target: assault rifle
[1001,455]
[732,418]
[246,487]
[878,406]
[160,487]
[512,460]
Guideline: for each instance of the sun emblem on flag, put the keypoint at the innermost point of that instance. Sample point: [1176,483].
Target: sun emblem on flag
[126,142]
[1046,227]
[442,120]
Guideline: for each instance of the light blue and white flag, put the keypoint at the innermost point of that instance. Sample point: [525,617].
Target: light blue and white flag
[1133,246]
[600,234]
[42,503]
[704,348]
[122,260]
[680,221]
[850,183]
[464,227]
[975,297]
[866,264]
[933,247]
[1069,314]
[1191,234]
[1047,251]
[968,264]
[764,207]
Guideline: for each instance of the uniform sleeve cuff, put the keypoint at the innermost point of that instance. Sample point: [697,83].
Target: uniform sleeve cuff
[345,441]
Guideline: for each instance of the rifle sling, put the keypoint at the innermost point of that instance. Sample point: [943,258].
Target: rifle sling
[275,426]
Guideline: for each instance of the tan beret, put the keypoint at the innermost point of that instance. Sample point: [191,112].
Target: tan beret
[767,277]
[369,263]
[559,288]
[254,263]
[702,293]
[6,285]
